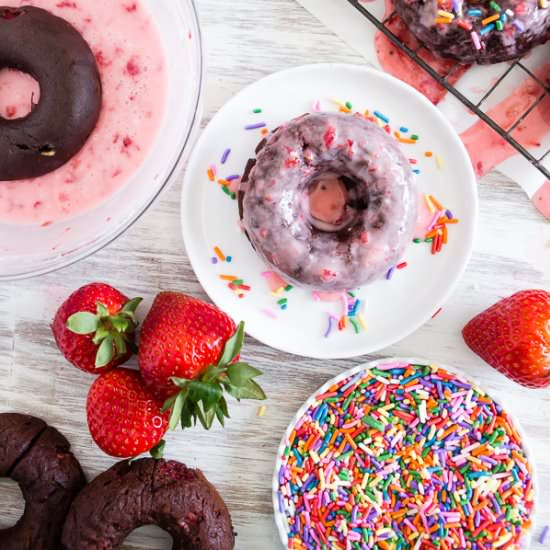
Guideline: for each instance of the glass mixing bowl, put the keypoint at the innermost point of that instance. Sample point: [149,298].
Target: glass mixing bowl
[33,250]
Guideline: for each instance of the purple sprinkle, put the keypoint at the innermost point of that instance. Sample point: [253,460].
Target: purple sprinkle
[281,503]
[225,156]
[329,328]
[255,126]
[214,260]
[389,274]
[233,177]
[542,537]
[449,214]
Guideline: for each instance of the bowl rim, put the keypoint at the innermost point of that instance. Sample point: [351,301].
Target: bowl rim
[90,248]
[278,516]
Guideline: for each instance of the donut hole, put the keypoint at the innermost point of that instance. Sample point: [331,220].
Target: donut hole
[332,201]
[19,94]
[12,505]
[151,537]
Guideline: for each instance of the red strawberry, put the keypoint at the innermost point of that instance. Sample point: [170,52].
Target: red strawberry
[94,328]
[513,336]
[188,353]
[124,417]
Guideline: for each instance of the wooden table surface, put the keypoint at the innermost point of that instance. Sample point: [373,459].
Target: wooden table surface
[246,40]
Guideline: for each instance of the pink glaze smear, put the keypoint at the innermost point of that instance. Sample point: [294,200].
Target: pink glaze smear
[131,59]
[486,148]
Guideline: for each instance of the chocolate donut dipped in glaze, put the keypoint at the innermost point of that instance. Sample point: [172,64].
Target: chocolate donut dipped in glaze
[330,201]
[55,54]
[478,31]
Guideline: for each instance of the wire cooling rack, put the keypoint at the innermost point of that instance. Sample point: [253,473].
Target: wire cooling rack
[443,80]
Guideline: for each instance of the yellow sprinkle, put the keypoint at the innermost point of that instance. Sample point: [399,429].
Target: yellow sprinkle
[314,456]
[543,4]
[363,322]
[436,203]
[261,411]
[502,540]
[439,162]
[340,104]
[429,203]
[490,19]
[444,13]
[322,480]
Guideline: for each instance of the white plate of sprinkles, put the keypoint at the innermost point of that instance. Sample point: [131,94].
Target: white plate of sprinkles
[361,320]
[401,453]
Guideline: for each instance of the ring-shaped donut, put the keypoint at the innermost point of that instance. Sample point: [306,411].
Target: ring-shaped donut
[149,492]
[477,32]
[56,55]
[38,457]
[379,209]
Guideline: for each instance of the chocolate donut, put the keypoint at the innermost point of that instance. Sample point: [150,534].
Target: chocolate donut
[166,493]
[38,457]
[55,54]
[330,201]
[478,31]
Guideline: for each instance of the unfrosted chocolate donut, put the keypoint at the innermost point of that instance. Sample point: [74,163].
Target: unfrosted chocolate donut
[166,493]
[56,55]
[38,457]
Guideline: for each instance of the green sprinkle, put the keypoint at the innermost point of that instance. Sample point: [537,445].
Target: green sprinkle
[417,240]
[499,25]
[282,301]
[373,423]
[237,282]
[495,6]
[349,105]
[428,240]
[288,288]
[257,111]
[355,325]
[415,137]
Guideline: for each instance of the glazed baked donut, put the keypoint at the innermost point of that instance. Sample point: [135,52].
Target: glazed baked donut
[38,457]
[178,499]
[330,201]
[477,31]
[52,51]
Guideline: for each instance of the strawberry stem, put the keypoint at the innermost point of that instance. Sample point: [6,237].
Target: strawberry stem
[113,334]
[202,399]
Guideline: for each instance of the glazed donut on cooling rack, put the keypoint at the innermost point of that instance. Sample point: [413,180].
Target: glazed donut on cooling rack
[330,202]
[478,31]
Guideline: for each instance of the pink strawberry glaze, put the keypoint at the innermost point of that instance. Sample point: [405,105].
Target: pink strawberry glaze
[398,64]
[131,59]
[487,149]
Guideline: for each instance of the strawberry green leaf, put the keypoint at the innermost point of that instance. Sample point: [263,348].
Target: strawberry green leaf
[249,390]
[209,416]
[120,344]
[177,409]
[131,306]
[157,452]
[83,323]
[220,416]
[209,394]
[120,324]
[199,414]
[233,346]
[223,407]
[168,404]
[105,352]
[100,334]
[240,373]
[102,310]
[180,382]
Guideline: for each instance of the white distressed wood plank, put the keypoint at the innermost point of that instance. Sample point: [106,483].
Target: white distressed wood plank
[246,40]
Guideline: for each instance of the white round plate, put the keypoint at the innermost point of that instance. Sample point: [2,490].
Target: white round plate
[392,308]
[279,517]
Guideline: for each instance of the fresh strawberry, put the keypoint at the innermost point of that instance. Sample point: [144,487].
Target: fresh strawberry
[94,328]
[188,354]
[513,336]
[124,417]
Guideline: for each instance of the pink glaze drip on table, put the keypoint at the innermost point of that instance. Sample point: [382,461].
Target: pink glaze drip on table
[132,63]
[486,148]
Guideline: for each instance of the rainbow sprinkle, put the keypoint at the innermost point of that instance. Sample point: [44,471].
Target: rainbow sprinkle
[402,457]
